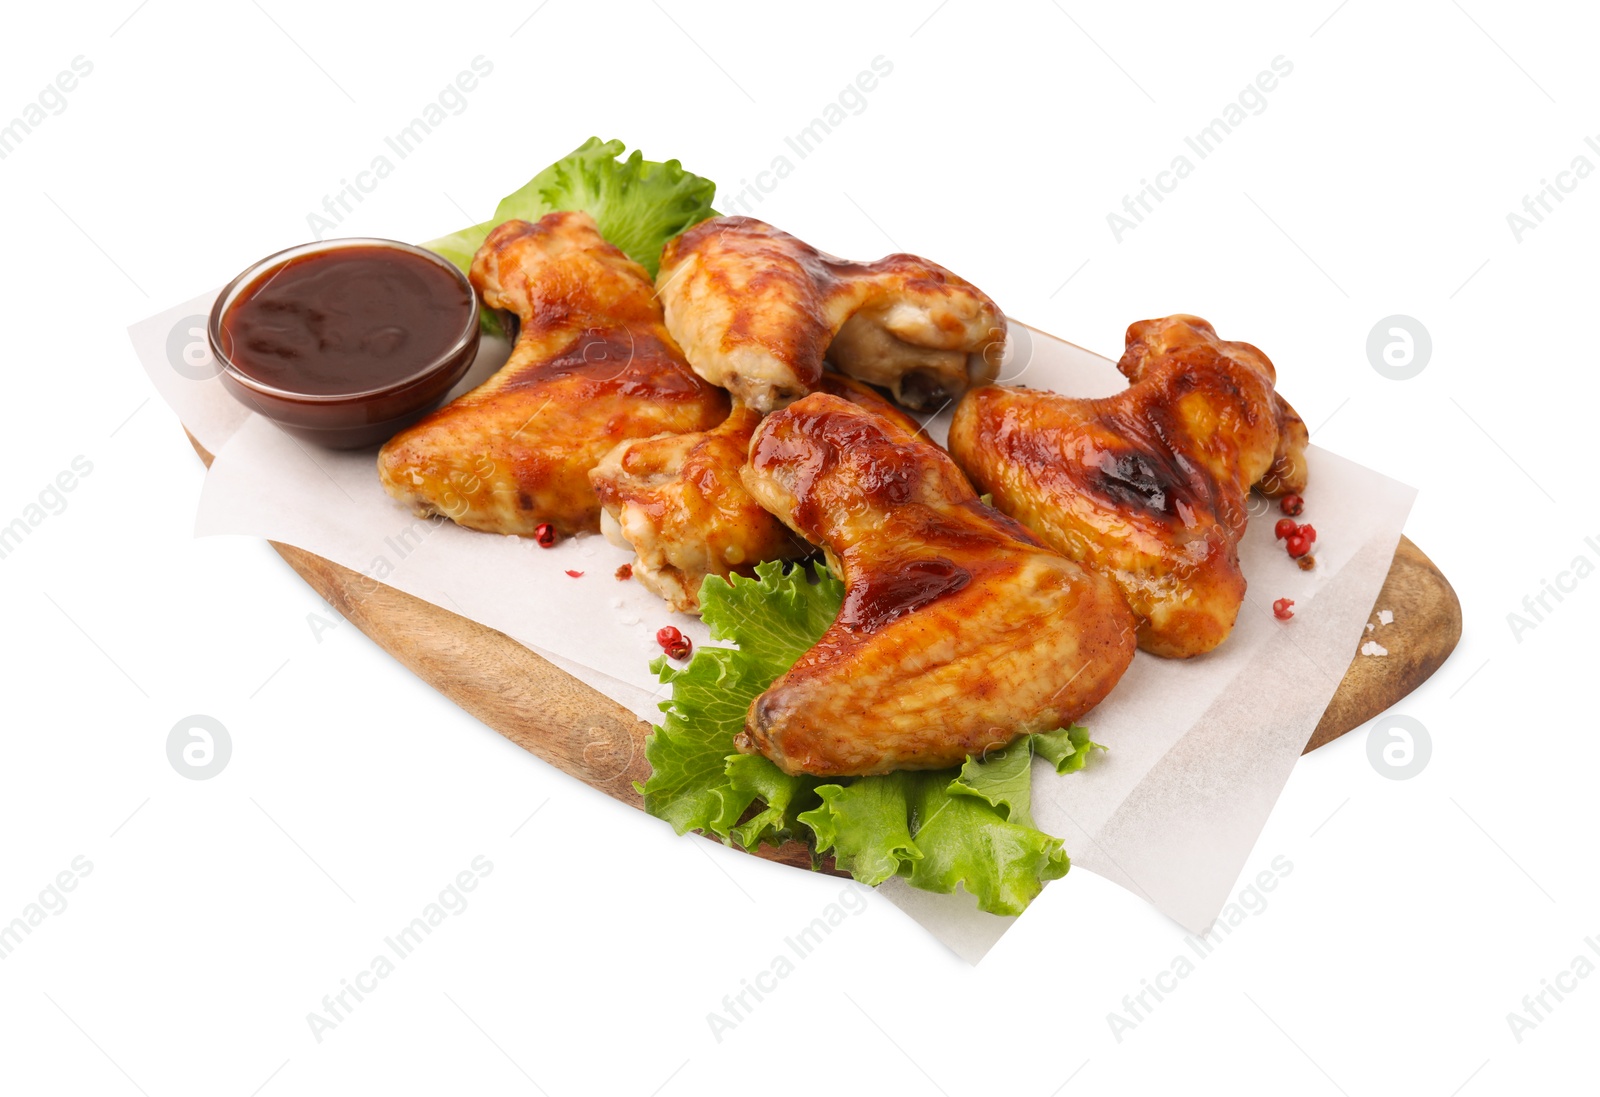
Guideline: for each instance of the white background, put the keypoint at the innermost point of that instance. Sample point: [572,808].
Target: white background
[218,913]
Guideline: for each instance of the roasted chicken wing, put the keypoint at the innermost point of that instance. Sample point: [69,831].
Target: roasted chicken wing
[593,365]
[756,311]
[959,629]
[678,502]
[1149,486]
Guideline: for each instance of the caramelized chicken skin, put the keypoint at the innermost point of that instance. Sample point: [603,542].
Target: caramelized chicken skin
[756,311]
[678,502]
[1149,486]
[593,365]
[959,629]
[1230,448]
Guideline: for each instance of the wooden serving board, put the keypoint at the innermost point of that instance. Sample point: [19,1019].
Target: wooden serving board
[585,734]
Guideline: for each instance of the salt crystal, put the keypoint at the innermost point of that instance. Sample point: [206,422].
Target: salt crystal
[1371,626]
[1385,617]
[1372,647]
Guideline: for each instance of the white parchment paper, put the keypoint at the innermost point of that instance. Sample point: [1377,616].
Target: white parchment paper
[1200,748]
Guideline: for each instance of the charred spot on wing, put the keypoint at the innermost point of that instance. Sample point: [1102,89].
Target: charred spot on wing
[1137,478]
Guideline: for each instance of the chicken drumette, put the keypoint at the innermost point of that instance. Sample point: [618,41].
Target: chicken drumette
[959,629]
[677,501]
[756,311]
[593,366]
[1149,486]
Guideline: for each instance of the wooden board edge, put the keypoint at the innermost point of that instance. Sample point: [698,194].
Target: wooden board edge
[1425,631]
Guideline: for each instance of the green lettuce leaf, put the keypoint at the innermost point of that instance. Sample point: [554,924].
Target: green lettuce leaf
[688,752]
[697,781]
[1004,778]
[639,204]
[965,841]
[867,824]
[1067,749]
[971,826]
[782,797]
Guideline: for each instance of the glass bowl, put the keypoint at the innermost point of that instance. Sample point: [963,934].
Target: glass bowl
[370,413]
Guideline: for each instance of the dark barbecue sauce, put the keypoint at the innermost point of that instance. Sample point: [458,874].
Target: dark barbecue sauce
[345,321]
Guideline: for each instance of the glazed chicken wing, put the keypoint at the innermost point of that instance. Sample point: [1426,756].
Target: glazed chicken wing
[1231,426]
[1148,486]
[959,629]
[678,502]
[756,311]
[593,365]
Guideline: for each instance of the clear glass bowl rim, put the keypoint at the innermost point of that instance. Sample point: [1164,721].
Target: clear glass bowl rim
[246,278]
